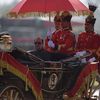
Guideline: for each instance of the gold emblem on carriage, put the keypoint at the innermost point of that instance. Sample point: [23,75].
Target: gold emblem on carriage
[52,82]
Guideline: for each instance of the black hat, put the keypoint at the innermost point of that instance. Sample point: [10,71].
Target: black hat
[92,7]
[90,19]
[66,16]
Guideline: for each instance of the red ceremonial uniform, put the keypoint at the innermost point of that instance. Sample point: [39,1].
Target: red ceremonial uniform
[55,36]
[65,38]
[65,41]
[88,41]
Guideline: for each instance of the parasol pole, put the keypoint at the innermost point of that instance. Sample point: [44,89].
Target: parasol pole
[49,17]
[49,21]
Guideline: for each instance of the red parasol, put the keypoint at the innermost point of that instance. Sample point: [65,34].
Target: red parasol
[47,6]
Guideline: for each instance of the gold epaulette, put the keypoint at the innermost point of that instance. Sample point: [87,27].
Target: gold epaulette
[63,45]
[70,49]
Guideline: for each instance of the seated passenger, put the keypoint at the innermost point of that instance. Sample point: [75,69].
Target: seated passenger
[89,40]
[66,39]
[62,42]
[39,50]
[63,39]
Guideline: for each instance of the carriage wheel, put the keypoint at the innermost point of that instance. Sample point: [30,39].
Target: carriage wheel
[90,88]
[11,93]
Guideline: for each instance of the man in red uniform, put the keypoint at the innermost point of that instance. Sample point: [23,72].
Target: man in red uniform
[88,40]
[65,38]
[62,40]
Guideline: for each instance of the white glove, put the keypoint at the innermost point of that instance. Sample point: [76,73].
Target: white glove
[80,53]
[92,59]
[51,44]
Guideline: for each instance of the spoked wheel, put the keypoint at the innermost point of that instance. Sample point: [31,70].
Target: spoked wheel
[90,88]
[11,93]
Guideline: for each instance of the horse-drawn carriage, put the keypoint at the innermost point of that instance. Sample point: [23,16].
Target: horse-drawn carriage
[24,76]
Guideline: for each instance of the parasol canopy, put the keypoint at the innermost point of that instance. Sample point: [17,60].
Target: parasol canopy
[48,6]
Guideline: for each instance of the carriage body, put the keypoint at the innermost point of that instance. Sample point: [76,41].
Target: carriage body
[36,79]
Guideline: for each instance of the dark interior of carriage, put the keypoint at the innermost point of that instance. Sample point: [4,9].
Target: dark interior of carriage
[30,58]
[27,58]
[23,55]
